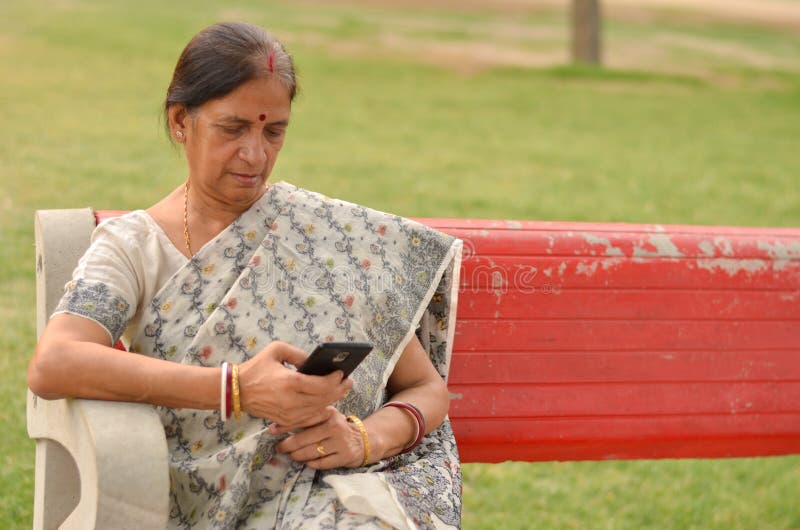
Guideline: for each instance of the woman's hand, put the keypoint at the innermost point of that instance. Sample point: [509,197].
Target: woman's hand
[335,442]
[293,400]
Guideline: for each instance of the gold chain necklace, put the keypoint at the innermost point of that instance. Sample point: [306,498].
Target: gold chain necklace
[186,240]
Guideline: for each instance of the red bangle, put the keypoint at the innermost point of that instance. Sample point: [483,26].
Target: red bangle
[228,387]
[417,415]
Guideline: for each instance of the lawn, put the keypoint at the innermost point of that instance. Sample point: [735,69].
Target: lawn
[428,111]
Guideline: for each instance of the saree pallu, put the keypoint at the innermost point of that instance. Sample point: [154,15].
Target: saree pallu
[303,268]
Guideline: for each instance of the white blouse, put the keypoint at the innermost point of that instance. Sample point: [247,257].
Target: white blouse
[133,258]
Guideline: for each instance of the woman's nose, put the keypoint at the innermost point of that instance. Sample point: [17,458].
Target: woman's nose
[254,152]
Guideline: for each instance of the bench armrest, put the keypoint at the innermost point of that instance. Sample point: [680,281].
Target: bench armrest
[106,460]
[98,464]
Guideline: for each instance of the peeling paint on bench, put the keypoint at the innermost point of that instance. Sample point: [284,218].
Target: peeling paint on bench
[663,341]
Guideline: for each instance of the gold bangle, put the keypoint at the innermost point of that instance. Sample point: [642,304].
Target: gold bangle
[364,437]
[237,406]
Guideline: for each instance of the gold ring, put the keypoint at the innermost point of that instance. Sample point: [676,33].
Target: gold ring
[321,450]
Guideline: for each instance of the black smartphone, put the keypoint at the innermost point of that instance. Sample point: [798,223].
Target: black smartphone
[331,356]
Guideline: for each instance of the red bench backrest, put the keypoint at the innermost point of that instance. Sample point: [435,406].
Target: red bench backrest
[597,341]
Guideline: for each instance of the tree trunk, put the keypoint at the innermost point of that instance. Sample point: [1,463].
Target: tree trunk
[586,31]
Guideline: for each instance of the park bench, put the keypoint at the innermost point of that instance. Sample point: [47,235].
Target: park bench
[574,341]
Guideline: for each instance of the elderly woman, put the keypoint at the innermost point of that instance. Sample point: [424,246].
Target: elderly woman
[222,287]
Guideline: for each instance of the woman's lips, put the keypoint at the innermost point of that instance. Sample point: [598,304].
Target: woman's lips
[246,179]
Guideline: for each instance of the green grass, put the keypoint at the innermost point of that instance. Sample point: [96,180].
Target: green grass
[402,130]
[685,494]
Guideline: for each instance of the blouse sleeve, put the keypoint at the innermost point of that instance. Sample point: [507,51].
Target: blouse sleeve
[104,286]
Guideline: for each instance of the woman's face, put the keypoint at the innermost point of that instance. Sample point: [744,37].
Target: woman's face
[232,142]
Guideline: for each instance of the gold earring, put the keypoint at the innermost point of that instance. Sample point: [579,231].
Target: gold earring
[179,135]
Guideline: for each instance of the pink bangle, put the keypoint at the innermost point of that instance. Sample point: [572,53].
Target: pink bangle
[418,417]
[228,389]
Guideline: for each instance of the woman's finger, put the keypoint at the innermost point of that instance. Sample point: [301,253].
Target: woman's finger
[324,454]
[315,420]
[315,451]
[326,462]
[344,455]
[318,431]
[332,384]
[285,352]
[299,405]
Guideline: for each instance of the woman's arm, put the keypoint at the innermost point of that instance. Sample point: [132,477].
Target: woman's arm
[74,358]
[389,429]
[415,381]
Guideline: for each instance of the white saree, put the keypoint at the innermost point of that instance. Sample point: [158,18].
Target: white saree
[301,268]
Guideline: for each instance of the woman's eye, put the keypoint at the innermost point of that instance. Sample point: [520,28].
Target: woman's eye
[272,133]
[232,131]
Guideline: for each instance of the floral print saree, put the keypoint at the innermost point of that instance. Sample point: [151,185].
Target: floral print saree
[301,268]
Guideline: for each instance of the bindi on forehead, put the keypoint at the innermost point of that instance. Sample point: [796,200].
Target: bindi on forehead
[262,117]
